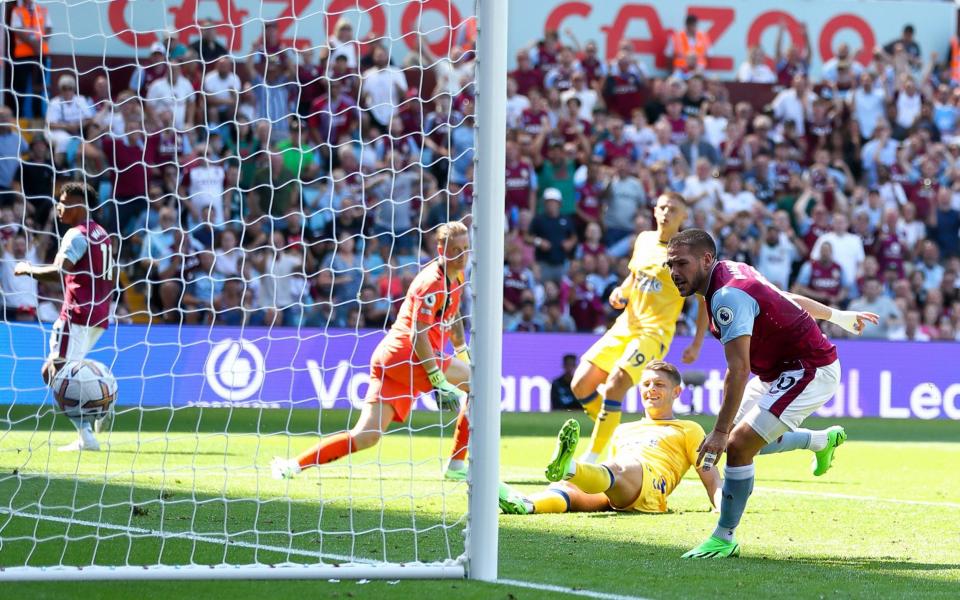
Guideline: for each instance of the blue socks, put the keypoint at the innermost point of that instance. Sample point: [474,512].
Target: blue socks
[737,487]
[791,440]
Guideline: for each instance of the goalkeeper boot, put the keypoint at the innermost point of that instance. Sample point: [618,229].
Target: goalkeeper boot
[457,470]
[284,468]
[714,547]
[823,459]
[567,441]
[513,502]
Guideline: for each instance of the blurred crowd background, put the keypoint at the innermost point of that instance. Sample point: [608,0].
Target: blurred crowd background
[300,186]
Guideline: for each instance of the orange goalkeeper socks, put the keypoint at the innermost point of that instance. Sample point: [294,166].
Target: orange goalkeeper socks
[462,436]
[329,449]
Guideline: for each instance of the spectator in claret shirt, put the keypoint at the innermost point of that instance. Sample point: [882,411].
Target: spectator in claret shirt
[527,76]
[333,115]
[517,279]
[822,279]
[796,61]
[126,156]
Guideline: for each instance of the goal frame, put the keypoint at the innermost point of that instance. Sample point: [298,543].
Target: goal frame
[480,558]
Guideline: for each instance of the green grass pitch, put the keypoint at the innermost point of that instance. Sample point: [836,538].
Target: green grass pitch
[884,523]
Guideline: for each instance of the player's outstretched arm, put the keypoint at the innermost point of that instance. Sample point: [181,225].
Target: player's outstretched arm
[712,484]
[850,320]
[49,272]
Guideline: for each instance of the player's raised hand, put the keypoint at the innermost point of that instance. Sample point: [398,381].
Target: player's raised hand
[853,321]
[711,449]
[616,299]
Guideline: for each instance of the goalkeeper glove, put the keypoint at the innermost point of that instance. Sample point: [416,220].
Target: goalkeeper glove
[463,353]
[846,319]
[448,395]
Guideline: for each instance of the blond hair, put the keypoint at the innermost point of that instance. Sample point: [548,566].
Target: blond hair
[450,230]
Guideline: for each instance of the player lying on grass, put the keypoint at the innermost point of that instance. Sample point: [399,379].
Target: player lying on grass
[643,332]
[648,458]
[773,335]
[410,360]
[85,264]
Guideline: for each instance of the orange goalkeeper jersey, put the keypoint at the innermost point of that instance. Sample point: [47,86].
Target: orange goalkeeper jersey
[432,300]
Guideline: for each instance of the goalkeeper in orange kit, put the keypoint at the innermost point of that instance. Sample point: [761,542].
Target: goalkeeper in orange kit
[410,360]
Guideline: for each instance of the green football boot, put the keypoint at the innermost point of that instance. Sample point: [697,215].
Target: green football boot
[567,441]
[714,547]
[456,474]
[823,459]
[512,502]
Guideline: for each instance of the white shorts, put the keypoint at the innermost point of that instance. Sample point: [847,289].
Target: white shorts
[773,408]
[72,342]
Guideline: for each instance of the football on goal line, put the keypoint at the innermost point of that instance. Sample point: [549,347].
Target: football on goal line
[84,389]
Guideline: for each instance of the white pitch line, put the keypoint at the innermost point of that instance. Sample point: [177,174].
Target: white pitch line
[187,536]
[815,494]
[545,587]
[860,498]
[294,551]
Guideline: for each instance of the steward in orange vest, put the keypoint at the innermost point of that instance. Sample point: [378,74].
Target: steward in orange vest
[28,24]
[28,50]
[687,55]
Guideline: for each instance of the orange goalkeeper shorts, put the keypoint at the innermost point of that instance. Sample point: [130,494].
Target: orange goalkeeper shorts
[396,378]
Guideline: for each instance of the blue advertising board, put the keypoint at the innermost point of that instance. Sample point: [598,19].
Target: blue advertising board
[312,368]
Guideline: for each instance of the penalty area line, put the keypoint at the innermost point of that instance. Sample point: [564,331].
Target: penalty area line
[546,587]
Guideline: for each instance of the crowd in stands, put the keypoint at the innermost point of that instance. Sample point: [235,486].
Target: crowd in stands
[845,187]
[300,186]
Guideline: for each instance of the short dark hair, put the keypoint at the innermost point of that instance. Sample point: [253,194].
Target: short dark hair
[698,240]
[78,189]
[690,20]
[908,29]
[567,357]
[665,368]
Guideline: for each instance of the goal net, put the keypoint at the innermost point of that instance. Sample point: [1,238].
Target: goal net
[272,176]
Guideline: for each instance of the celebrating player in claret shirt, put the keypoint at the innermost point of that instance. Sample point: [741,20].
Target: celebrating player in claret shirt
[772,334]
[411,360]
[85,261]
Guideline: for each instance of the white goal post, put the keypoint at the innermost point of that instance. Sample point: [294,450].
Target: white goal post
[143,498]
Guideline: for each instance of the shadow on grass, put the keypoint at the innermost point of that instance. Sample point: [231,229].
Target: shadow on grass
[149,525]
[558,550]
